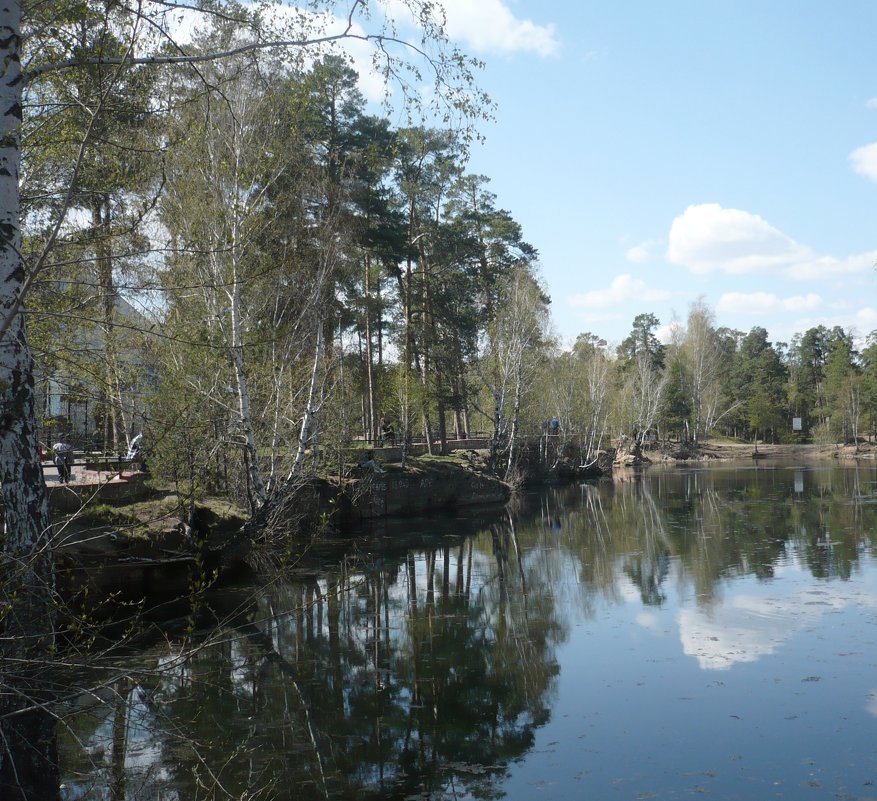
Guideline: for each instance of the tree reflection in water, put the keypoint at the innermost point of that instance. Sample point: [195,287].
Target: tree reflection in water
[426,673]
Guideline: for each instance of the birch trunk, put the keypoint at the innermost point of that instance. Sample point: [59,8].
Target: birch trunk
[28,760]
[243,387]
[26,527]
[496,436]
[307,422]
[513,435]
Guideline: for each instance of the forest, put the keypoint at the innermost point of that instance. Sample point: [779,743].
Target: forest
[242,258]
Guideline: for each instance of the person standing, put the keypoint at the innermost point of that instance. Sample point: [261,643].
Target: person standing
[63,459]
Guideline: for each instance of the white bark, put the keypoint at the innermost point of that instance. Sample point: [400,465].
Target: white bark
[215,201]
[513,434]
[704,355]
[649,384]
[237,353]
[24,493]
[308,421]
[563,388]
[854,407]
[516,334]
[598,389]
[27,755]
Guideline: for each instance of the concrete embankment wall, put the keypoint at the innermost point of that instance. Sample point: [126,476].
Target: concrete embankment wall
[67,498]
[417,492]
[393,453]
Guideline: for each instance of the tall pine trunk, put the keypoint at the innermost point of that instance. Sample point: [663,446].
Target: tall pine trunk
[115,428]
[372,433]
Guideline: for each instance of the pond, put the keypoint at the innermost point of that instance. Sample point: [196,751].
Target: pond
[687,631]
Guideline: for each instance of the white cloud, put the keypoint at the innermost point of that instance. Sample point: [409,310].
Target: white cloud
[671,332]
[829,266]
[588,318]
[292,22]
[871,102]
[798,303]
[746,302]
[486,26]
[641,253]
[868,314]
[729,636]
[859,323]
[865,320]
[708,238]
[489,26]
[624,288]
[863,160]
[760,303]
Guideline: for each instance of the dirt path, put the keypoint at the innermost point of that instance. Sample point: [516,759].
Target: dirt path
[730,450]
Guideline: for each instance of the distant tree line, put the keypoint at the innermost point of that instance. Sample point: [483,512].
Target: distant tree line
[713,380]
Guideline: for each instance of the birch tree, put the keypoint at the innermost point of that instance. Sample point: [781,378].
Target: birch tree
[592,410]
[40,40]
[644,377]
[27,586]
[508,362]
[703,354]
[487,245]
[214,201]
[576,389]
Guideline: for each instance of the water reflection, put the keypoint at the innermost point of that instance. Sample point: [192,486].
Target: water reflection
[437,672]
[421,674]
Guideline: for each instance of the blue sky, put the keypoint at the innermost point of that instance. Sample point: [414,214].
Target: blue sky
[657,153]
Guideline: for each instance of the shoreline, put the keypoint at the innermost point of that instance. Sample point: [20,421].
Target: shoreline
[728,451]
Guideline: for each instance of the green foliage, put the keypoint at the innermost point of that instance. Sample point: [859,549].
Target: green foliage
[102,514]
[642,339]
[677,405]
[825,433]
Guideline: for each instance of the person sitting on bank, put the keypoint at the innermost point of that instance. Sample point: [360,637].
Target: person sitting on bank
[368,463]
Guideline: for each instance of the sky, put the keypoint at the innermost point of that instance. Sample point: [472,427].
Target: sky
[658,154]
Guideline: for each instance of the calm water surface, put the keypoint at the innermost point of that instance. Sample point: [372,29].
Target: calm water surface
[688,632]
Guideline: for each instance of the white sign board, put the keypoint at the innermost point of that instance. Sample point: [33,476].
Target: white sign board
[796,424]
